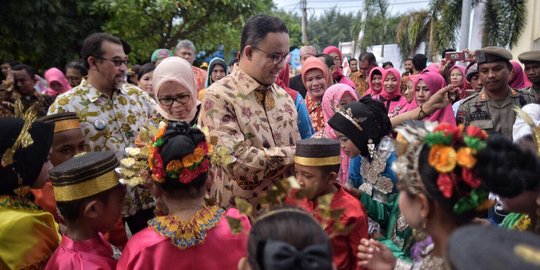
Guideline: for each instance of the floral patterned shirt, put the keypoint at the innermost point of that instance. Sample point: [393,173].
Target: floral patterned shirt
[315,113]
[111,125]
[253,129]
[108,124]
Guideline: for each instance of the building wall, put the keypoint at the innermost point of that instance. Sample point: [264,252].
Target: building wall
[530,37]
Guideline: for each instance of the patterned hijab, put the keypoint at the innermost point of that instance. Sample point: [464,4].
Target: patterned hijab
[175,69]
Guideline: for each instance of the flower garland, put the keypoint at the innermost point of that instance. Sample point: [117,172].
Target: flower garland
[186,169]
[444,140]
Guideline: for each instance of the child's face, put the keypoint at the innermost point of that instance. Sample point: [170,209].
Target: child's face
[312,180]
[66,144]
[410,209]
[348,147]
[112,209]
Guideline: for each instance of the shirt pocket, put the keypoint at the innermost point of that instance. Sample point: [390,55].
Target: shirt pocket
[486,124]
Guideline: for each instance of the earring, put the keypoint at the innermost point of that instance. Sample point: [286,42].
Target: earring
[371,148]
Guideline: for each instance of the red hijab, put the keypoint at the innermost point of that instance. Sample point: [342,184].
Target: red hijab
[519,81]
[463,71]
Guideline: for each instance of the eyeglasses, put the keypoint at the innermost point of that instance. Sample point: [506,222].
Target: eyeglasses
[168,101]
[116,61]
[276,57]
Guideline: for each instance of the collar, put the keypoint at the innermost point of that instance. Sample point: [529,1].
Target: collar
[248,84]
[94,94]
[485,97]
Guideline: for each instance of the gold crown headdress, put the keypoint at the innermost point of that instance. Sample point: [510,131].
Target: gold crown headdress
[24,139]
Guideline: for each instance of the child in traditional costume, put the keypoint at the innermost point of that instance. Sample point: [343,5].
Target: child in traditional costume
[317,163]
[193,235]
[89,197]
[364,131]
[28,235]
[68,141]
[287,239]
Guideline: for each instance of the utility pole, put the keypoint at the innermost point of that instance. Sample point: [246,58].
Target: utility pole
[303,6]
[465,24]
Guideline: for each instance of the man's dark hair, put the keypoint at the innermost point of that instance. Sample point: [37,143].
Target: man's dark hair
[388,64]
[30,70]
[92,46]
[367,56]
[419,62]
[79,66]
[352,59]
[257,27]
[328,60]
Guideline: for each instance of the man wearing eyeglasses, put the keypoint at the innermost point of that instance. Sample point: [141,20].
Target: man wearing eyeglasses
[110,111]
[252,122]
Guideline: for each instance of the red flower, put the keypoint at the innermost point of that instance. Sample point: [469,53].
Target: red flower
[469,178]
[447,129]
[445,183]
[476,132]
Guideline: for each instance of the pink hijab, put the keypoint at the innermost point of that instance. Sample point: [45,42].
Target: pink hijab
[436,82]
[56,75]
[175,69]
[370,91]
[519,81]
[338,73]
[330,101]
[314,63]
[412,105]
[393,102]
[463,70]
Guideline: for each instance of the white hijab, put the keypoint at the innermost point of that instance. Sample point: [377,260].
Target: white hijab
[175,69]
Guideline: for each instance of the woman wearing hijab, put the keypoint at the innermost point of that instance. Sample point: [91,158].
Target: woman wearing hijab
[315,78]
[304,122]
[217,69]
[375,82]
[335,98]
[176,91]
[428,84]
[391,96]
[458,79]
[338,73]
[57,82]
[518,80]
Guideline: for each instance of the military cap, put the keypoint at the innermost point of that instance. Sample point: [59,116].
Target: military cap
[490,247]
[62,121]
[492,54]
[84,175]
[317,152]
[530,56]
[472,71]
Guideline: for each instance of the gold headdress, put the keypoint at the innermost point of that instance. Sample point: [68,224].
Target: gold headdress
[24,139]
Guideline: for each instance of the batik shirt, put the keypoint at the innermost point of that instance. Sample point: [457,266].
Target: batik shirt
[111,124]
[253,129]
[108,124]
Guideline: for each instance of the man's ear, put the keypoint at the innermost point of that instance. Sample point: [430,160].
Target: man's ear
[331,177]
[248,52]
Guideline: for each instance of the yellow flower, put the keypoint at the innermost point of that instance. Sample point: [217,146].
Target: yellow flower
[198,153]
[174,166]
[465,157]
[442,158]
[188,161]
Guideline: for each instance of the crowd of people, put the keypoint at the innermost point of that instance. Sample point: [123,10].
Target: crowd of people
[244,166]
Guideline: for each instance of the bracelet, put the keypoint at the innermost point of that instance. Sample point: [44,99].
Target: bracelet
[421,112]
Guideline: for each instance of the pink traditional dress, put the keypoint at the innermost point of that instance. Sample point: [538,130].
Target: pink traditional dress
[88,254]
[205,242]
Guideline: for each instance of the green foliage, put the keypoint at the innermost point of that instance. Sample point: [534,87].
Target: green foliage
[504,21]
[151,24]
[45,33]
[294,25]
[331,28]
[412,30]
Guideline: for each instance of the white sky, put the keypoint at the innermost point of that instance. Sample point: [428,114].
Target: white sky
[318,7]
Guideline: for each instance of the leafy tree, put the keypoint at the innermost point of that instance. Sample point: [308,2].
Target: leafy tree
[151,24]
[45,33]
[330,28]
[294,25]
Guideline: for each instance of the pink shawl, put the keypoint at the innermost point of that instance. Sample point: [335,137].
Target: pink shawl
[370,91]
[332,97]
[56,75]
[519,81]
[436,82]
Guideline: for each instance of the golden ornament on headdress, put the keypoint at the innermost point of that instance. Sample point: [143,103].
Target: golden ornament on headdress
[355,121]
[24,139]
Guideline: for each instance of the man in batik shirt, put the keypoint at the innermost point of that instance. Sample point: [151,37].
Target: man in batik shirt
[252,122]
